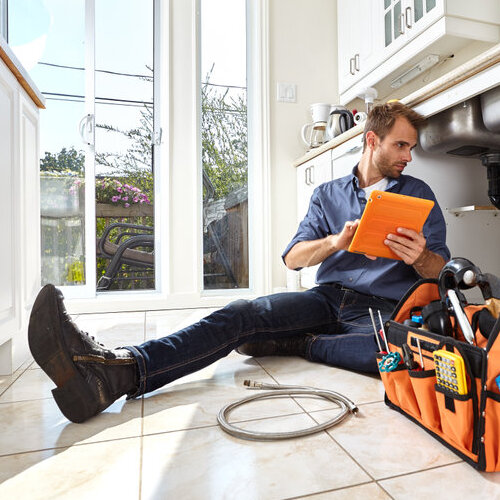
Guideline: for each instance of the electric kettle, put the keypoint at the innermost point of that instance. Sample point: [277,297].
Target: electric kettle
[339,121]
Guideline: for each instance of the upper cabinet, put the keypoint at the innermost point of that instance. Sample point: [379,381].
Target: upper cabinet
[356,36]
[379,40]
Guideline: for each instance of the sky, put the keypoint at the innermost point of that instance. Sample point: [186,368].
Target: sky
[53,31]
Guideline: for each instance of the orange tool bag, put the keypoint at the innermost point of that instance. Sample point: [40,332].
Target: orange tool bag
[424,382]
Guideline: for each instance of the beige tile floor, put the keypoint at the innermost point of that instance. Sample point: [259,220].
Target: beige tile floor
[168,444]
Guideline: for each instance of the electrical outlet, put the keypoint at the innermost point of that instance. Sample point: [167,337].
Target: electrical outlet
[287,92]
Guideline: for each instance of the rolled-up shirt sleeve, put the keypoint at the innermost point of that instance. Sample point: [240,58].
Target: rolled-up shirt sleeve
[314,226]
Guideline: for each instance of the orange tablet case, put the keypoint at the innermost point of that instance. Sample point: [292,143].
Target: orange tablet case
[384,213]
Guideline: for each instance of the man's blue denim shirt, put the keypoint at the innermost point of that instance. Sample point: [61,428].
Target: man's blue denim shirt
[335,202]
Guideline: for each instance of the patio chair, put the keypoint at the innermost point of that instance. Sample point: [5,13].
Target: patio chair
[132,245]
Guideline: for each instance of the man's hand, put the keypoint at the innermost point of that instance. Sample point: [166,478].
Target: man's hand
[411,247]
[345,236]
[310,253]
[407,244]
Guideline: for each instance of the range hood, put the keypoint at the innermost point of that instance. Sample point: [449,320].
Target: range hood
[470,129]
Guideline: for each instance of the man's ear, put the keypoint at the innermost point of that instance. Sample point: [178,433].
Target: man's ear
[371,139]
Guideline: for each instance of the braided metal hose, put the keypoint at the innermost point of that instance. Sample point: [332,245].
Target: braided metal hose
[346,407]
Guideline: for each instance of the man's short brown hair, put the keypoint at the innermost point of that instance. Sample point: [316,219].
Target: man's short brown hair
[382,117]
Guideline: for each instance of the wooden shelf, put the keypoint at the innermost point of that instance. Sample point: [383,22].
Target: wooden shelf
[474,208]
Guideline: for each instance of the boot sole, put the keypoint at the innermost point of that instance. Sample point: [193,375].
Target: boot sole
[73,394]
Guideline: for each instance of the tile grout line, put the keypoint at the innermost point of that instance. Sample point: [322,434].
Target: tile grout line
[17,378]
[373,480]
[332,490]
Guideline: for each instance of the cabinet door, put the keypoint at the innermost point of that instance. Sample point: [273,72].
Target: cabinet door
[358,40]
[309,176]
[403,20]
[8,127]
[346,156]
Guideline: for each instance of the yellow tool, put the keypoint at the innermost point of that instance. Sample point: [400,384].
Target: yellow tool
[450,371]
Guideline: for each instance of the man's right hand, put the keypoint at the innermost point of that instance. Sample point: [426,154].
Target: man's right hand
[310,253]
[345,236]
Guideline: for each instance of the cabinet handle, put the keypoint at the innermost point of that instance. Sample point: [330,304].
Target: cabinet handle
[356,62]
[352,68]
[408,20]
[402,24]
[306,179]
[311,174]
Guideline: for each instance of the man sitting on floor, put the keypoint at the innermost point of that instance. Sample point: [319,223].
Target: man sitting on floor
[329,323]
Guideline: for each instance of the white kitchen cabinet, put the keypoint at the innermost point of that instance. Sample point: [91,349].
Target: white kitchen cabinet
[19,206]
[309,176]
[402,33]
[404,19]
[358,36]
[346,156]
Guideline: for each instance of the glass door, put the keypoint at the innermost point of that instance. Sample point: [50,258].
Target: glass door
[93,62]
[49,40]
[224,144]
[124,131]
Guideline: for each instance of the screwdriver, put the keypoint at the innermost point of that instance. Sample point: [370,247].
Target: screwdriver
[375,329]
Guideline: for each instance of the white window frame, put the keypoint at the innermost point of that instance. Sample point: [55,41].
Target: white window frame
[178,234]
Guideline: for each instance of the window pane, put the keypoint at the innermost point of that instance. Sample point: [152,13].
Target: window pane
[49,39]
[224,144]
[388,27]
[430,4]
[397,19]
[419,9]
[123,142]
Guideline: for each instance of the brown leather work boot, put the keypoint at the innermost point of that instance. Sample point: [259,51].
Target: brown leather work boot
[293,346]
[88,376]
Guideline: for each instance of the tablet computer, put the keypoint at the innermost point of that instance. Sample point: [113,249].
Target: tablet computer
[384,213]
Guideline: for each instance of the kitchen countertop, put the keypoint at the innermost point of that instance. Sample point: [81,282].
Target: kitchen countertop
[17,69]
[467,70]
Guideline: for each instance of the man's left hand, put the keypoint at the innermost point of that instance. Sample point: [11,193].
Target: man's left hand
[407,244]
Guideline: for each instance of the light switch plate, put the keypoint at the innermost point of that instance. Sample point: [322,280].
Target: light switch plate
[286,92]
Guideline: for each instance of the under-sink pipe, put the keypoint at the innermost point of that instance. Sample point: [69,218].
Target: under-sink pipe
[492,162]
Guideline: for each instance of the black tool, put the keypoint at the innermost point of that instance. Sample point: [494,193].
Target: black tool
[408,358]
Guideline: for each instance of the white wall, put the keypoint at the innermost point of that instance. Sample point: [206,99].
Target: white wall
[302,50]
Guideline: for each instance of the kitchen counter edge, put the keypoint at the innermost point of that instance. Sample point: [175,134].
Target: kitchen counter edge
[20,73]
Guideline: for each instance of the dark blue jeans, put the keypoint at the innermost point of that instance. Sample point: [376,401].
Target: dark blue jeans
[335,320]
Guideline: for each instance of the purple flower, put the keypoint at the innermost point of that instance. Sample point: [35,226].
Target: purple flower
[114,199]
[119,189]
[127,205]
[125,198]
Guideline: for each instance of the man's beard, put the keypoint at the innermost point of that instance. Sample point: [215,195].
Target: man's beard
[388,168]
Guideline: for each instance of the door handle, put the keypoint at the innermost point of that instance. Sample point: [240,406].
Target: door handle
[86,128]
